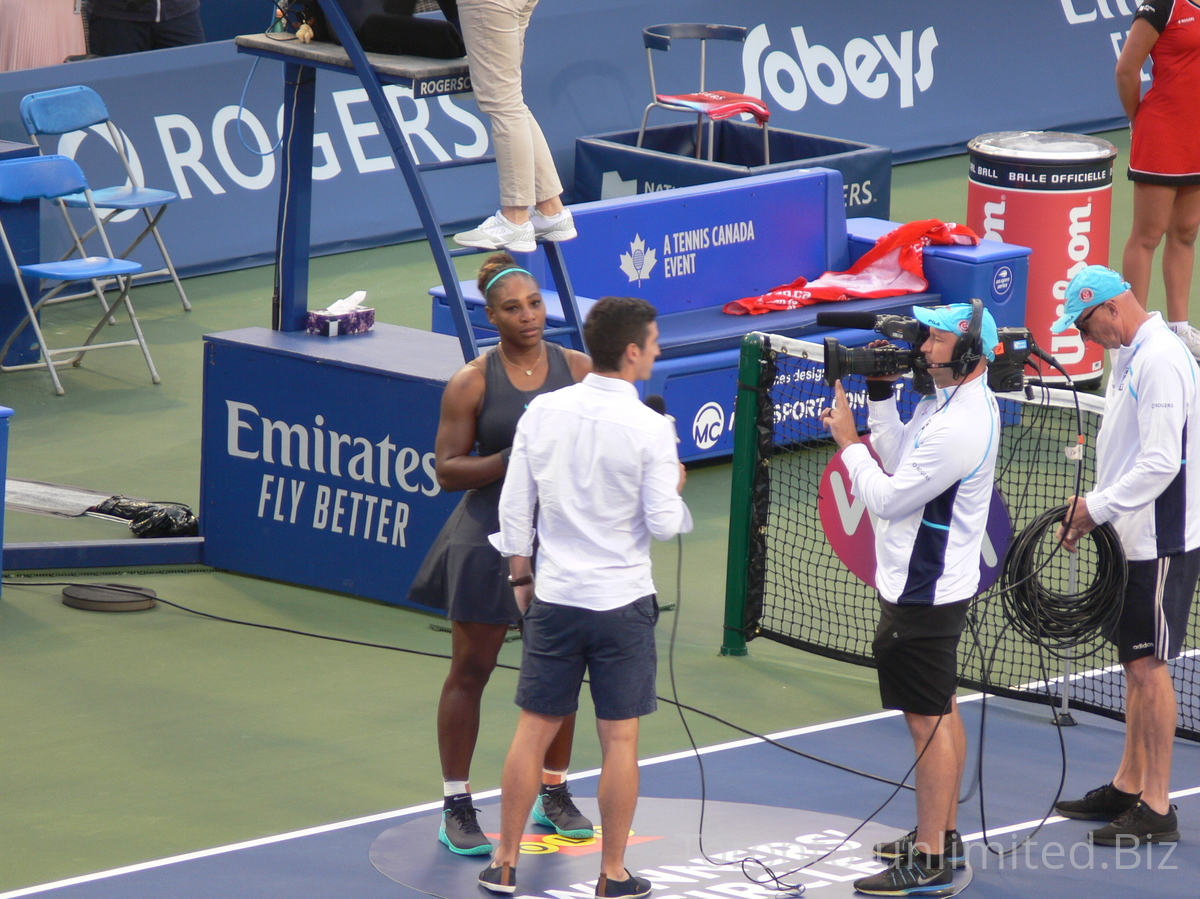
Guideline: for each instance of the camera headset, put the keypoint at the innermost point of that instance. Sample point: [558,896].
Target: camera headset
[968,348]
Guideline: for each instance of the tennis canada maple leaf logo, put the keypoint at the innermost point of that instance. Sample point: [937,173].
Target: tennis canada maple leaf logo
[638,262]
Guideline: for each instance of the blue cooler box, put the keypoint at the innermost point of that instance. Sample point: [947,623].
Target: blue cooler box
[997,273]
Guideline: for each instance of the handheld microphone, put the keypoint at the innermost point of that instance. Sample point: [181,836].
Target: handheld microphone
[659,405]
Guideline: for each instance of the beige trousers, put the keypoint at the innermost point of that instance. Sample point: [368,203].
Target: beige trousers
[494,32]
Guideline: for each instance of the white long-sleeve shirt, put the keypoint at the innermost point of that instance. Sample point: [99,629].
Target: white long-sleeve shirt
[1144,485]
[602,470]
[933,493]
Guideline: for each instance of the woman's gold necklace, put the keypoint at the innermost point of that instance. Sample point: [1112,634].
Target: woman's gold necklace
[528,371]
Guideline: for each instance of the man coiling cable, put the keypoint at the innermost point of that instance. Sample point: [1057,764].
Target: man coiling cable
[1152,498]
[931,497]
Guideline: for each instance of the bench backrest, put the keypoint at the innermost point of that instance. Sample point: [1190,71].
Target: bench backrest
[703,246]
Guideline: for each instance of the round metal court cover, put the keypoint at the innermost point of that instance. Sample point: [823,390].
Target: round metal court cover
[108,597]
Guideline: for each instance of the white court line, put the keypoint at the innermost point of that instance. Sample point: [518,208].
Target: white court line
[431,806]
[426,807]
[1053,819]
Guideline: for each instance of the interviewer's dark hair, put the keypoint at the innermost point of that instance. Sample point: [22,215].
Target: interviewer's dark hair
[495,264]
[614,323]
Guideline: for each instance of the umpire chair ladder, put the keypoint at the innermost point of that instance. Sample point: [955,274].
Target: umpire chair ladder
[290,296]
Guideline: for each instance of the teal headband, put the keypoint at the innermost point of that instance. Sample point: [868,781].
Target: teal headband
[507,271]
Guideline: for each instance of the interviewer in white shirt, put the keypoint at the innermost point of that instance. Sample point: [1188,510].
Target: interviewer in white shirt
[602,471]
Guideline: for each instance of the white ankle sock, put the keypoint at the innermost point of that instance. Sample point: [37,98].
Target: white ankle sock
[1178,326]
[455,787]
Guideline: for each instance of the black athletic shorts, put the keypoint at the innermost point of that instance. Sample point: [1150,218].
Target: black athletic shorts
[1158,600]
[916,654]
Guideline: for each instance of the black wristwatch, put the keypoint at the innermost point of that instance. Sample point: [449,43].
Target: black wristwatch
[520,581]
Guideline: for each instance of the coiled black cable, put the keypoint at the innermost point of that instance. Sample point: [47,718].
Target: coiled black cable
[1060,622]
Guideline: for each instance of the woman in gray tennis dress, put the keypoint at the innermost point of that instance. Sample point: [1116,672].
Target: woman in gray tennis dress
[463,574]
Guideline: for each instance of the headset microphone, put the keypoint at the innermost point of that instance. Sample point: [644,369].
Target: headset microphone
[968,349]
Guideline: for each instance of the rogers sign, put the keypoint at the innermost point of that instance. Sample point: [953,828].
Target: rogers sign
[871,66]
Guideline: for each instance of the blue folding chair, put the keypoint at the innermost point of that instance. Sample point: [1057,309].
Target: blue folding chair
[66,109]
[56,178]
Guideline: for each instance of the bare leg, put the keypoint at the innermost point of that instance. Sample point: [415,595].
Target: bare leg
[558,756]
[954,721]
[1151,214]
[939,774]
[1179,251]
[553,206]
[475,648]
[521,782]
[1132,769]
[519,215]
[618,790]
[1150,731]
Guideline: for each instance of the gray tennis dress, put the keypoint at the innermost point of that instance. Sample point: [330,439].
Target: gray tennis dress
[463,574]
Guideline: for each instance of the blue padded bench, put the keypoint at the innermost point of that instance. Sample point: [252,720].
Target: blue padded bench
[695,331]
[691,250]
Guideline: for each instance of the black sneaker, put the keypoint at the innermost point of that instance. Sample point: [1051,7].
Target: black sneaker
[460,831]
[630,888]
[1141,824]
[555,808]
[909,877]
[954,852]
[1101,804]
[499,879]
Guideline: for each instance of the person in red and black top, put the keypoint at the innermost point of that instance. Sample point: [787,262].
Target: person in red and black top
[1164,158]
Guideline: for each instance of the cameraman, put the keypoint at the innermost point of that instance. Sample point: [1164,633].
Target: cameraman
[931,497]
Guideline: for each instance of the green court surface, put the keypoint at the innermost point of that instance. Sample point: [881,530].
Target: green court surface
[133,737]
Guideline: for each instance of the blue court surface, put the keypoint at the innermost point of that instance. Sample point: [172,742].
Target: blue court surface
[760,801]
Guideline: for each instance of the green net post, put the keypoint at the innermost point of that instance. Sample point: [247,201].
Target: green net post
[745,458]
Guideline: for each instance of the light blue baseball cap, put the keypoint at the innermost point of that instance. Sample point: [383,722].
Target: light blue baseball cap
[1091,286]
[957,320]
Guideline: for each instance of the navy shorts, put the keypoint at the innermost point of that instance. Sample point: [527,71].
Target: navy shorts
[1158,601]
[616,649]
[916,654]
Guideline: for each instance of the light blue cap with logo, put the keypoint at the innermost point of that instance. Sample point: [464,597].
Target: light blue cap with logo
[957,320]
[1091,286]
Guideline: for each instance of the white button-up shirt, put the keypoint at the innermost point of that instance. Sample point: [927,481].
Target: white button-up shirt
[602,470]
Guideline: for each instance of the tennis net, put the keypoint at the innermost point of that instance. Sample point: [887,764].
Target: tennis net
[796,532]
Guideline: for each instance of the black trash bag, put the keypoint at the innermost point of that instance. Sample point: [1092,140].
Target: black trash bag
[147,519]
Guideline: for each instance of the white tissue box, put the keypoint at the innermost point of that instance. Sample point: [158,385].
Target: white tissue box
[357,321]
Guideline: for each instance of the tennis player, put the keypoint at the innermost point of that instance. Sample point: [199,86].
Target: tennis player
[931,496]
[1152,498]
[601,473]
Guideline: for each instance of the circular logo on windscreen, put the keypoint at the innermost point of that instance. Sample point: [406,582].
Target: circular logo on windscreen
[708,425]
[850,529]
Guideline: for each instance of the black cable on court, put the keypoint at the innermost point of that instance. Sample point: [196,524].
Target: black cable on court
[142,592]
